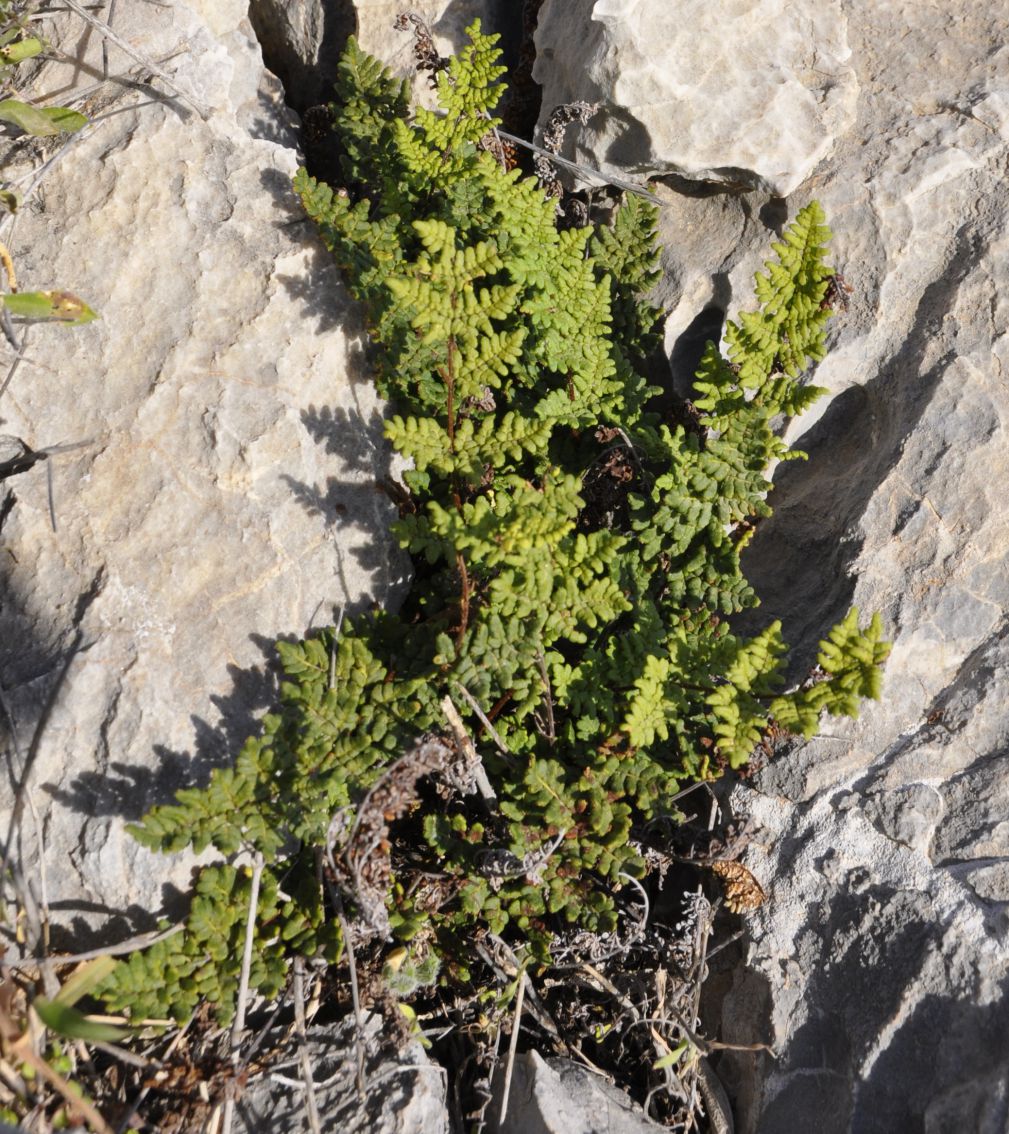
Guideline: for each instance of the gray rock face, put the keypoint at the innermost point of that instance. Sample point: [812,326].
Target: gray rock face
[302,41]
[226,495]
[560,1097]
[878,968]
[752,95]
[447,20]
[405,1093]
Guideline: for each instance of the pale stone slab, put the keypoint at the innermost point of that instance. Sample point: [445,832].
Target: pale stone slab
[227,494]
[748,94]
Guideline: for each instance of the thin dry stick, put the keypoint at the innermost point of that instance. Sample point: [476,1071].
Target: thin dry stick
[705,1046]
[513,1045]
[399,1069]
[104,30]
[306,1064]
[130,946]
[50,495]
[702,932]
[355,993]
[238,1026]
[586,172]
[136,78]
[105,42]
[8,331]
[551,731]
[537,1008]
[243,981]
[612,989]
[28,906]
[331,685]
[8,266]
[465,745]
[647,906]
[17,358]
[22,1049]
[725,944]
[484,719]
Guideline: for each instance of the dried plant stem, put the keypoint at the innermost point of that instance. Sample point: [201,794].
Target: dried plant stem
[467,748]
[483,718]
[129,946]
[238,1026]
[306,1064]
[513,1045]
[105,43]
[333,648]
[104,30]
[355,993]
[551,727]
[8,266]
[23,1049]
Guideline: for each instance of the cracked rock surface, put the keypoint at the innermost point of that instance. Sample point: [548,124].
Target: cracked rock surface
[751,94]
[227,493]
[879,966]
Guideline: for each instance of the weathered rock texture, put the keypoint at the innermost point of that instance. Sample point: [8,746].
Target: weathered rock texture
[302,41]
[561,1097]
[447,21]
[751,94]
[228,491]
[405,1090]
[879,967]
[209,507]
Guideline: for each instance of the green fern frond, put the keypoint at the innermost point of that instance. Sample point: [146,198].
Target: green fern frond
[574,554]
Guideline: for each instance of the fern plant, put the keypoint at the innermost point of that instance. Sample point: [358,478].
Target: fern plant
[576,557]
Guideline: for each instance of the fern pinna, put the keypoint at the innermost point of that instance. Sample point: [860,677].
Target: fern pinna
[576,555]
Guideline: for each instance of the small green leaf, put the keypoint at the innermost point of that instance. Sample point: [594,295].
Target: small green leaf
[672,1058]
[84,980]
[65,120]
[67,1021]
[20,51]
[58,306]
[10,200]
[41,121]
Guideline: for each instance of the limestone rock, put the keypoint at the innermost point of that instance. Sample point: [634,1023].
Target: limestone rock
[878,967]
[746,94]
[561,1097]
[227,491]
[405,1091]
[302,41]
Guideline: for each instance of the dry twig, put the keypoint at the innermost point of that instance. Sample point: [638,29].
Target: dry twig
[468,749]
[104,30]
[238,1026]
[306,1064]
[513,1045]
